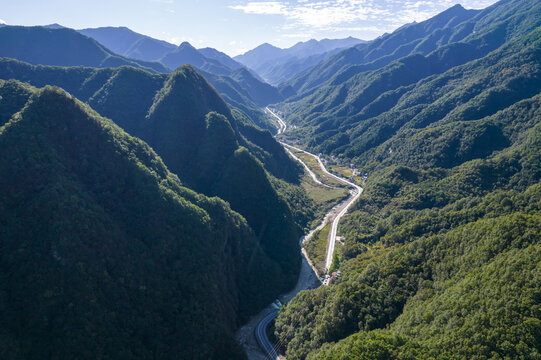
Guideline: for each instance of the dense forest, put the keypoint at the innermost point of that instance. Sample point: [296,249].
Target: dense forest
[442,254]
[105,253]
[83,193]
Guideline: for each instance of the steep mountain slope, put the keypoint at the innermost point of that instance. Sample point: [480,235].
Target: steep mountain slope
[259,55]
[170,113]
[262,93]
[358,110]
[218,66]
[126,42]
[422,38]
[279,74]
[239,98]
[277,65]
[64,47]
[219,56]
[442,252]
[104,252]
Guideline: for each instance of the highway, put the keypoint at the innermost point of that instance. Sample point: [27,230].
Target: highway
[356,192]
[260,330]
[261,335]
[282,125]
[310,172]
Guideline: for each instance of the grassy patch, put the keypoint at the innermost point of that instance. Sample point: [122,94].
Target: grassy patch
[312,163]
[324,198]
[316,248]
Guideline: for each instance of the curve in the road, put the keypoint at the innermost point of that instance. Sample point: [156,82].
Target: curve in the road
[261,335]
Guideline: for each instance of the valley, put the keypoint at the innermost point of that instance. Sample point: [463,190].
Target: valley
[297,193]
[254,333]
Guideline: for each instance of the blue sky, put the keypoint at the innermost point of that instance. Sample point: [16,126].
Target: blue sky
[232,26]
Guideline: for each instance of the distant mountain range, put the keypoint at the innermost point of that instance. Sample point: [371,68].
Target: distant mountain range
[63,47]
[66,47]
[128,43]
[417,38]
[277,65]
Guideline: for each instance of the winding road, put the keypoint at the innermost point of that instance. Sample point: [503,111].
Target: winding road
[261,335]
[260,329]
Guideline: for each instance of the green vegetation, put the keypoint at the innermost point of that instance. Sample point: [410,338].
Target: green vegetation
[230,272]
[442,251]
[316,248]
[324,198]
[313,165]
[105,254]
[361,112]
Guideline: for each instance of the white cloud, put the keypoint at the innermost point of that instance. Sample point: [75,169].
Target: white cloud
[317,14]
[3,22]
[262,8]
[369,16]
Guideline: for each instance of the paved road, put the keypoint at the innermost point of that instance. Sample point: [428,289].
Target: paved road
[261,335]
[283,126]
[310,172]
[260,330]
[356,192]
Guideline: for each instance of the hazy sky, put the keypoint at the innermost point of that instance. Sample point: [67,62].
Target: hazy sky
[232,26]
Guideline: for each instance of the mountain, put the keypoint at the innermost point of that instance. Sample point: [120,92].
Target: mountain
[222,58]
[259,55]
[54,26]
[238,98]
[359,109]
[170,112]
[126,42]
[187,54]
[450,26]
[129,43]
[262,93]
[442,251]
[277,65]
[63,47]
[96,233]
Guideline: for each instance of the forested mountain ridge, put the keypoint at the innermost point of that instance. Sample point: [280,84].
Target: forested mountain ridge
[214,64]
[97,234]
[220,65]
[129,43]
[66,47]
[442,251]
[63,47]
[173,114]
[451,25]
[358,110]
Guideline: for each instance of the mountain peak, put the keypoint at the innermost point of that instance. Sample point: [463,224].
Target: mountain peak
[186,45]
[456,9]
[54,26]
